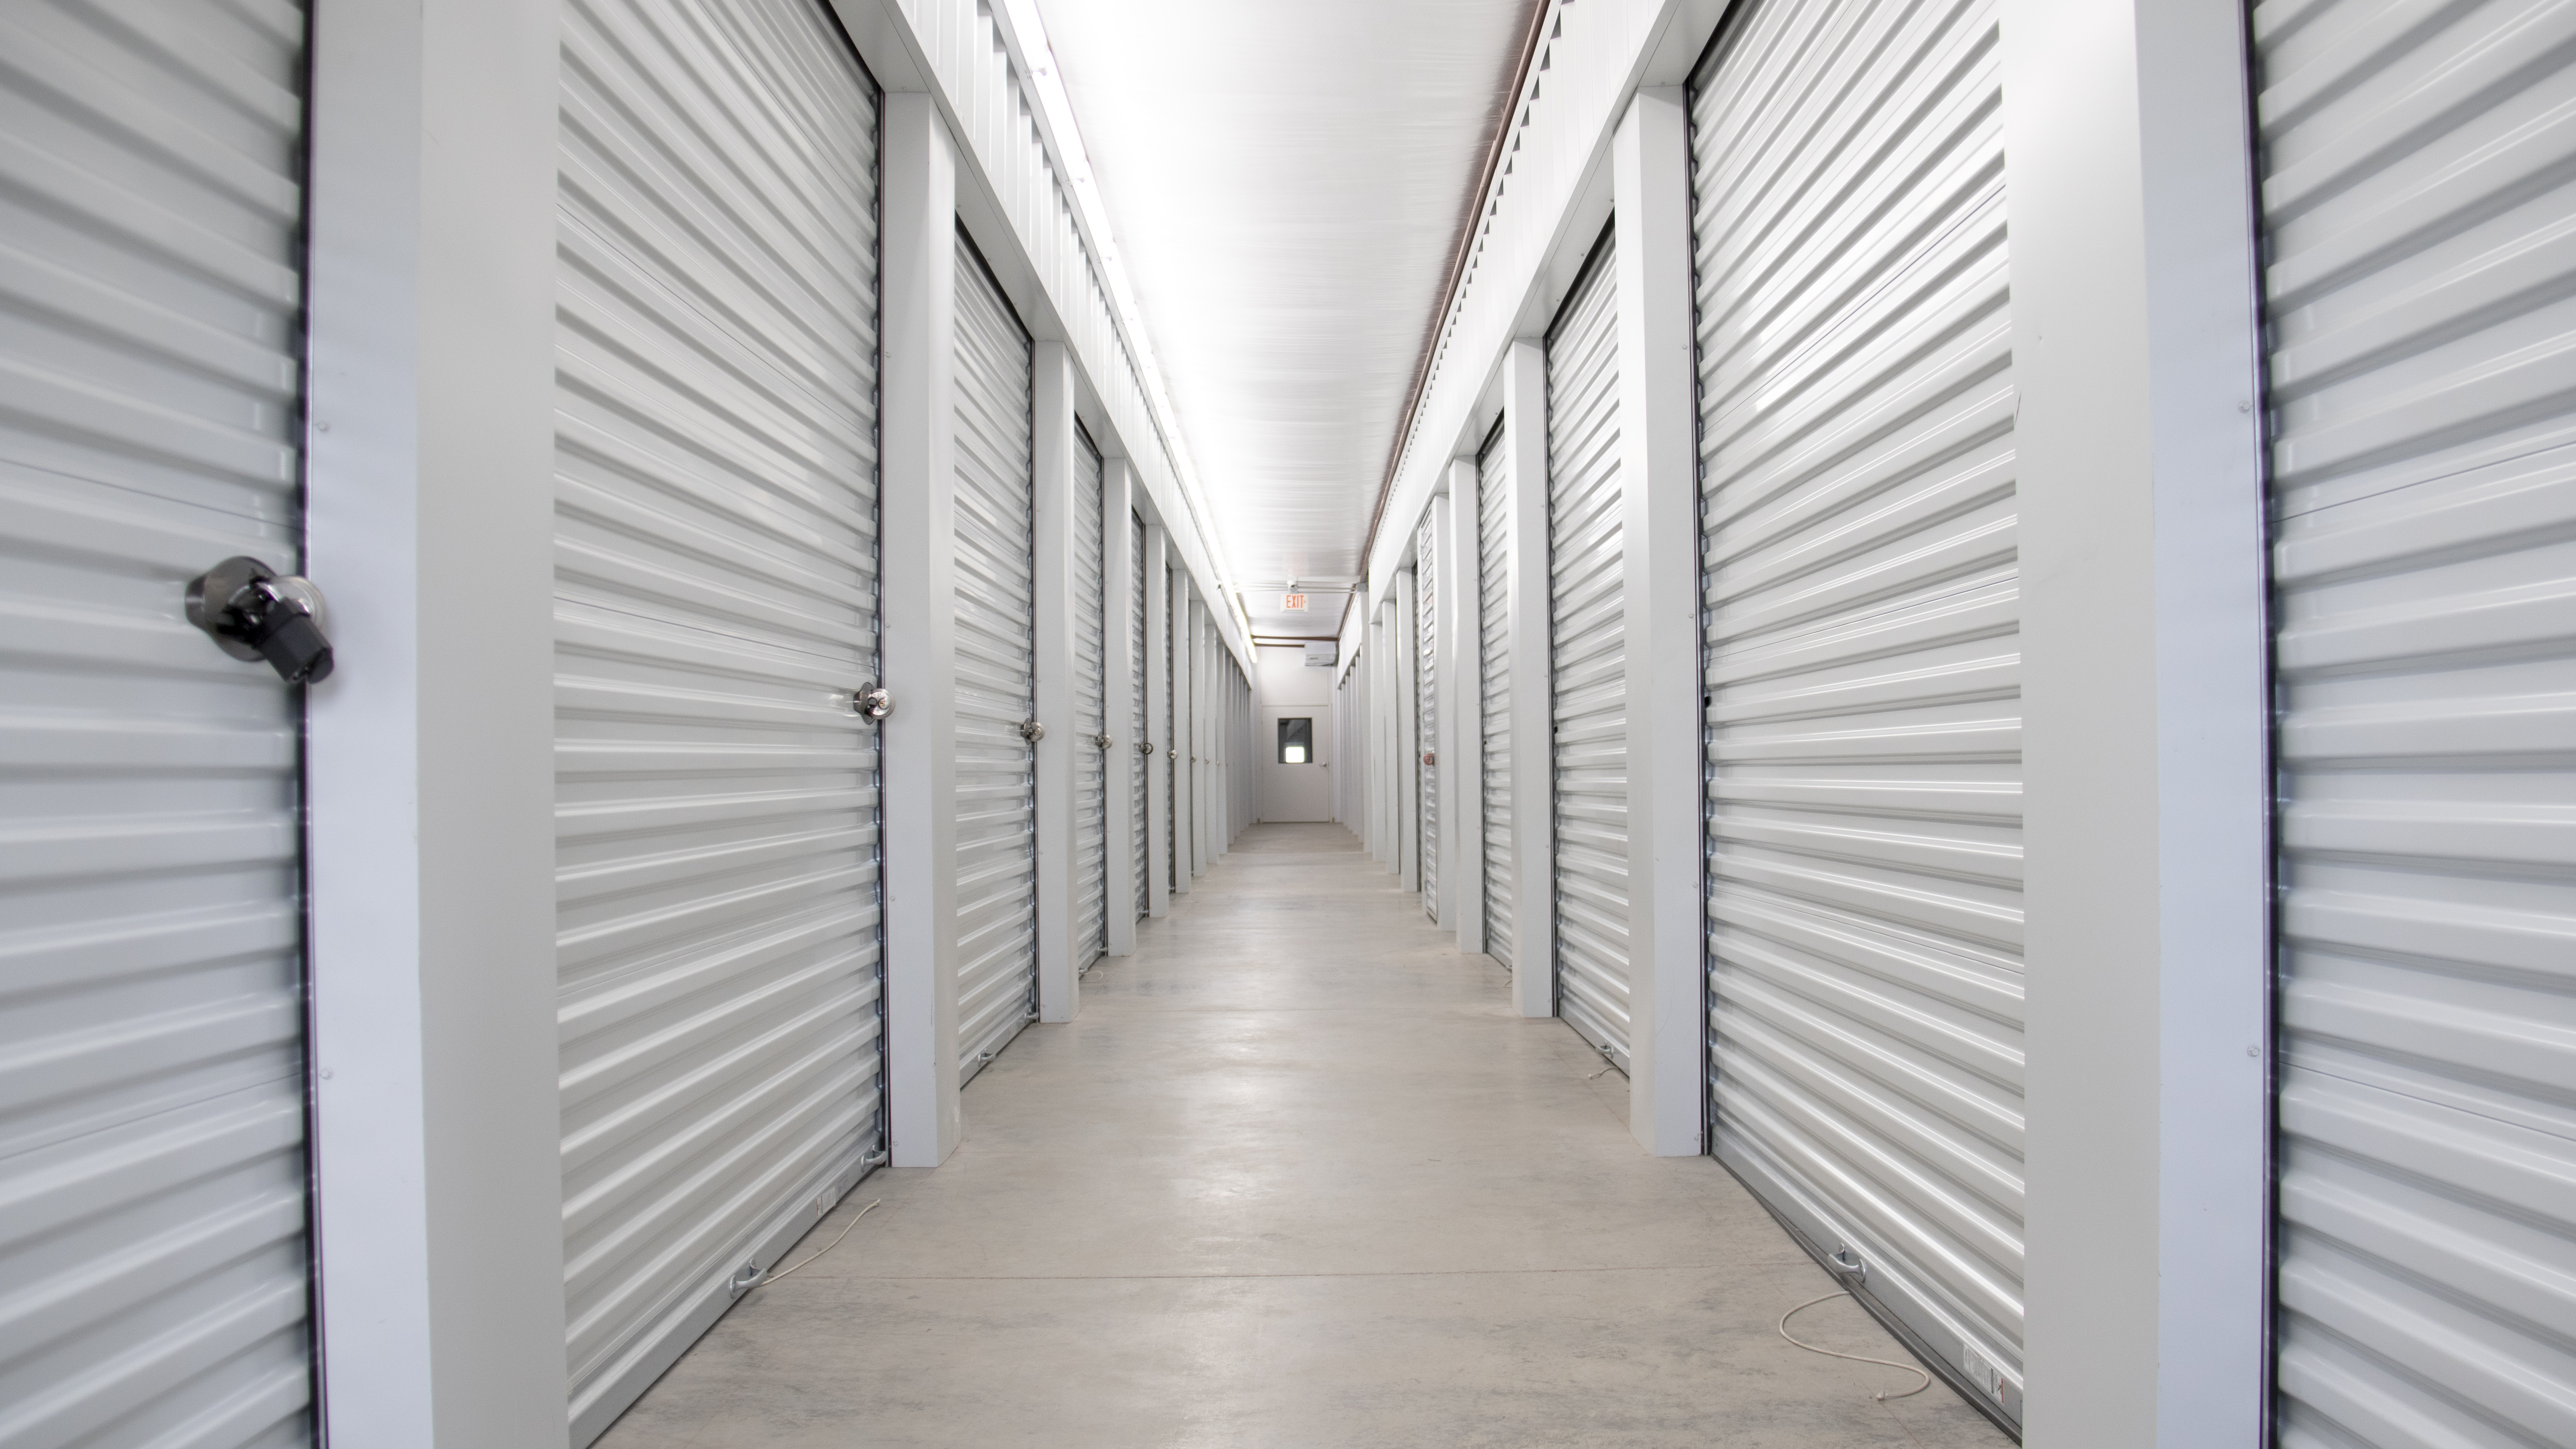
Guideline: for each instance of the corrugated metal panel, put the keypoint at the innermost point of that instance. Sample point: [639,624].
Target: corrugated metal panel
[1494,646]
[152,1172]
[1090,712]
[997,879]
[1426,710]
[1587,640]
[1175,729]
[1139,733]
[715,604]
[1863,668]
[2418,211]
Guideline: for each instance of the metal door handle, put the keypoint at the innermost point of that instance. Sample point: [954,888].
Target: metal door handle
[871,701]
[1032,731]
[1102,742]
[1145,747]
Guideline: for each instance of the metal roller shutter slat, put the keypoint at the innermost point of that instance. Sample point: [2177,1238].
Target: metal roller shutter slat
[154,1256]
[1588,652]
[2417,215]
[1494,644]
[718,932]
[996,669]
[1863,673]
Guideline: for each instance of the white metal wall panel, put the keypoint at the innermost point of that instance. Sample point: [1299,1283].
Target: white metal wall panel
[2418,202]
[1863,670]
[997,880]
[1090,605]
[1426,710]
[152,1170]
[1139,733]
[1494,648]
[718,940]
[1587,641]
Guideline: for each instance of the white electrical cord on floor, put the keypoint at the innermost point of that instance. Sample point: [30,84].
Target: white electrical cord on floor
[1855,1358]
[769,1278]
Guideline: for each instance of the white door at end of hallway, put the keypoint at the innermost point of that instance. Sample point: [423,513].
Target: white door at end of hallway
[1296,764]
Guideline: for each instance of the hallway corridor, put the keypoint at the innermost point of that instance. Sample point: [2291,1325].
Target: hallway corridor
[1297,1177]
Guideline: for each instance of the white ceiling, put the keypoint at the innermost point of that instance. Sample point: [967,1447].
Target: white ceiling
[1284,183]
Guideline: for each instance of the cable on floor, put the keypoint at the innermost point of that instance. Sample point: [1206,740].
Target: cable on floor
[770,1278]
[1914,1369]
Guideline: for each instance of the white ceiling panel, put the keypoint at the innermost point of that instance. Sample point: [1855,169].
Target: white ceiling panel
[1284,184]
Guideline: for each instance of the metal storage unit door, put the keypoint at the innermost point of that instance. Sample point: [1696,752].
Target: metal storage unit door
[152,1252]
[1587,642]
[1138,732]
[1087,749]
[997,880]
[1861,617]
[1494,645]
[2417,209]
[1426,712]
[718,940]
[1175,730]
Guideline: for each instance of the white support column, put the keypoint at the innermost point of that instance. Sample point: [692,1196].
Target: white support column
[1533,680]
[1650,175]
[1406,661]
[1210,700]
[2145,717]
[438,1217]
[1462,705]
[1158,690]
[1120,668]
[1051,584]
[918,549]
[1184,743]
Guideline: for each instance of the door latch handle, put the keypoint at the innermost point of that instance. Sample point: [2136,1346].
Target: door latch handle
[1102,742]
[252,611]
[871,701]
[1032,731]
[1144,747]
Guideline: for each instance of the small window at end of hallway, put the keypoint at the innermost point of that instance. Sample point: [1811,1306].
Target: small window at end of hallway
[1296,741]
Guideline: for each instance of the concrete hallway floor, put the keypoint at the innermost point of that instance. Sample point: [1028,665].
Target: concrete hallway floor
[1298,1177]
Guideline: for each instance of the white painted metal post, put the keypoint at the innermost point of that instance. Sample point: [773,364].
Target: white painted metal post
[1184,742]
[1158,688]
[1119,671]
[1533,675]
[1650,173]
[1051,585]
[1462,705]
[1405,659]
[2145,717]
[918,544]
[438,1221]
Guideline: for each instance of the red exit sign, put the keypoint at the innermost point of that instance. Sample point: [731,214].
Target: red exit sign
[1292,603]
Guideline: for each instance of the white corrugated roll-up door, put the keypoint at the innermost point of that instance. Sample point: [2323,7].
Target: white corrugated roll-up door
[1089,748]
[1494,649]
[152,1244]
[1139,732]
[1861,613]
[716,802]
[997,878]
[1426,710]
[2418,176]
[1587,643]
[1175,729]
